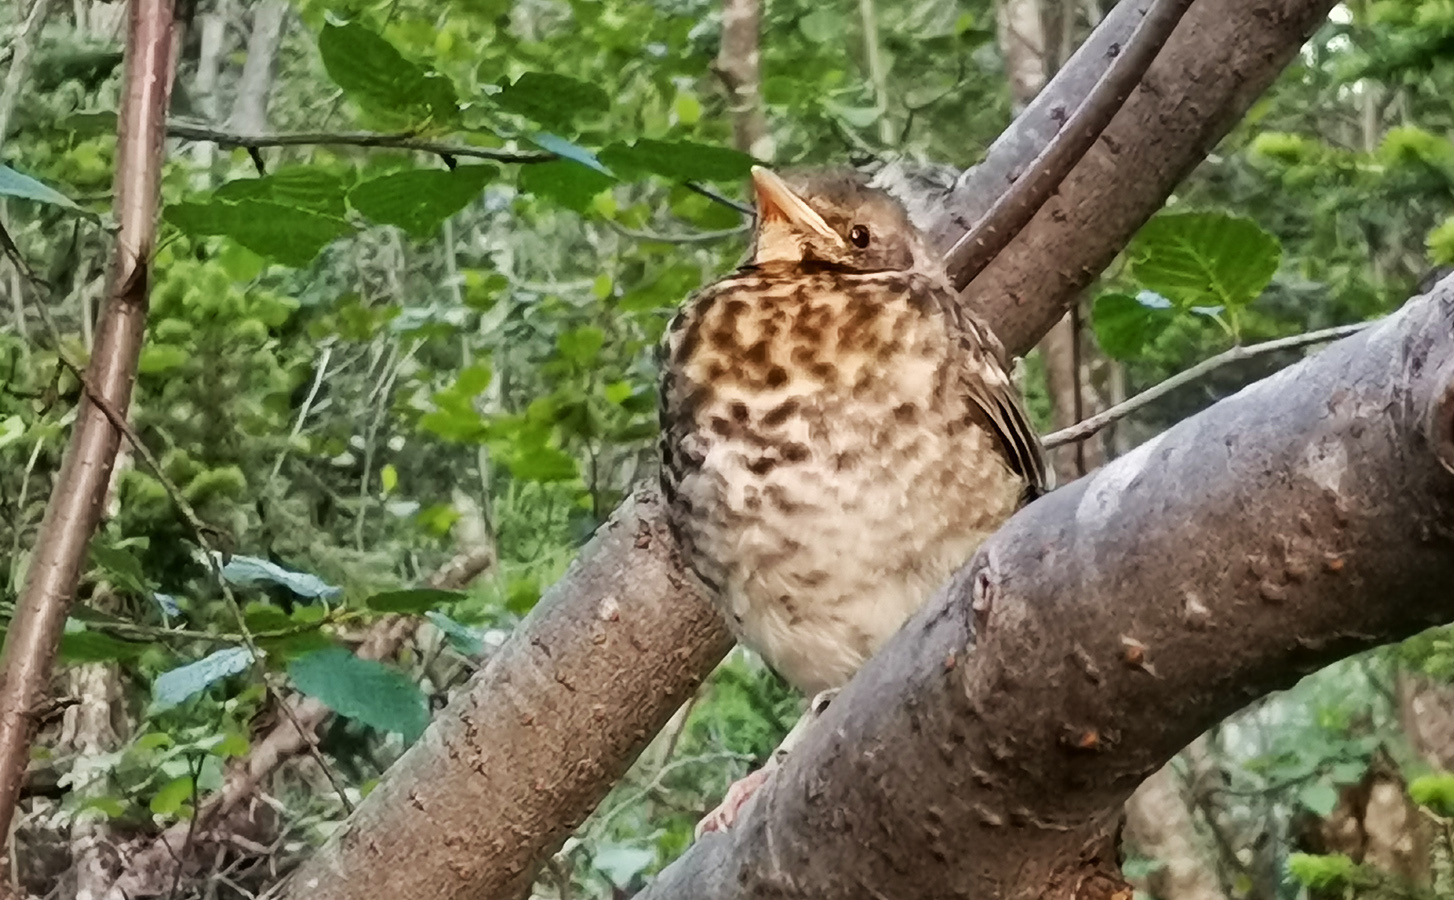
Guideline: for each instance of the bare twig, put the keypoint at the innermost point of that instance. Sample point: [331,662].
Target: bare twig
[192,131]
[1017,206]
[720,198]
[1082,430]
[697,237]
[303,411]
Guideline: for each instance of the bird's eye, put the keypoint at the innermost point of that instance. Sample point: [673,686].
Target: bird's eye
[859,236]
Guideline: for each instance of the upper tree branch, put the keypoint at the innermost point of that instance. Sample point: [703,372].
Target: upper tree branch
[191,131]
[1106,625]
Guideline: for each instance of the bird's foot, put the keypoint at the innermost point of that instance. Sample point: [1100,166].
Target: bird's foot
[726,813]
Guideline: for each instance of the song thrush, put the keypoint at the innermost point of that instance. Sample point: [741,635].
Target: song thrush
[839,434]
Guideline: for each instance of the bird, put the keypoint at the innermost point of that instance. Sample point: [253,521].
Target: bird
[839,434]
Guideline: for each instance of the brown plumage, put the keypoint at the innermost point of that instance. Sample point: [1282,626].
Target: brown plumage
[838,433]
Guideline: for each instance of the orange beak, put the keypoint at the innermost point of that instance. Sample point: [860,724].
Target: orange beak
[776,202]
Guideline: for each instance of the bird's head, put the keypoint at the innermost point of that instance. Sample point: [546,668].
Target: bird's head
[833,218]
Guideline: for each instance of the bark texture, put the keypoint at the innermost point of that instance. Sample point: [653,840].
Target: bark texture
[985,752]
[740,68]
[520,757]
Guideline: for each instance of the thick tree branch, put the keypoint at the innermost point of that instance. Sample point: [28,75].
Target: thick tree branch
[491,798]
[995,738]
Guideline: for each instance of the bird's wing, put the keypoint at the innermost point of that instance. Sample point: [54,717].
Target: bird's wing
[985,379]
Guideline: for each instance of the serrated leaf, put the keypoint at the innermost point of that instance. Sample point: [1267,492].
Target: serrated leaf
[303,187]
[414,601]
[377,77]
[552,100]
[286,234]
[171,688]
[566,182]
[14,184]
[419,200]
[1124,325]
[679,160]
[362,689]
[250,570]
[1205,259]
[1319,797]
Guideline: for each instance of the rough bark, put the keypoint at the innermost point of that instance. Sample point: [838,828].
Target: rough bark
[517,760]
[990,745]
[492,800]
[255,86]
[76,502]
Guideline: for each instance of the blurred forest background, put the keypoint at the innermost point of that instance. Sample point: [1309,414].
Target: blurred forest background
[403,384]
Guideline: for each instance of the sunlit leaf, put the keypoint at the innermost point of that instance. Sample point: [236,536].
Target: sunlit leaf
[251,570]
[568,183]
[679,160]
[1205,259]
[14,184]
[168,801]
[1124,325]
[177,685]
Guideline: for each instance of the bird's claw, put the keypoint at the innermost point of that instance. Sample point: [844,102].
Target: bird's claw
[727,812]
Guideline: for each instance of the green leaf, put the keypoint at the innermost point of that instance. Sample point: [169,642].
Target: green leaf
[286,234]
[312,188]
[543,463]
[388,478]
[415,601]
[93,646]
[554,101]
[171,688]
[821,25]
[463,638]
[378,78]
[1319,797]
[168,801]
[568,183]
[418,200]
[12,429]
[1326,872]
[1205,259]
[1434,791]
[362,689]
[581,345]
[1441,243]
[14,184]
[123,569]
[679,160]
[1124,325]
[158,358]
[110,807]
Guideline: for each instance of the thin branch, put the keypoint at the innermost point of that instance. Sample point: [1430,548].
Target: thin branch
[719,198]
[1082,430]
[191,131]
[696,237]
[1017,206]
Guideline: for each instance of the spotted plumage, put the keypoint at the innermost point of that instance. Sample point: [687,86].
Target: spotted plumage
[838,433]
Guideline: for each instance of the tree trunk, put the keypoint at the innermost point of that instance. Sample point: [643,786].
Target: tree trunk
[250,109]
[1159,825]
[740,68]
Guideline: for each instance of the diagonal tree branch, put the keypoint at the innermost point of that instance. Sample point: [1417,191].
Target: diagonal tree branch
[991,744]
[543,731]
